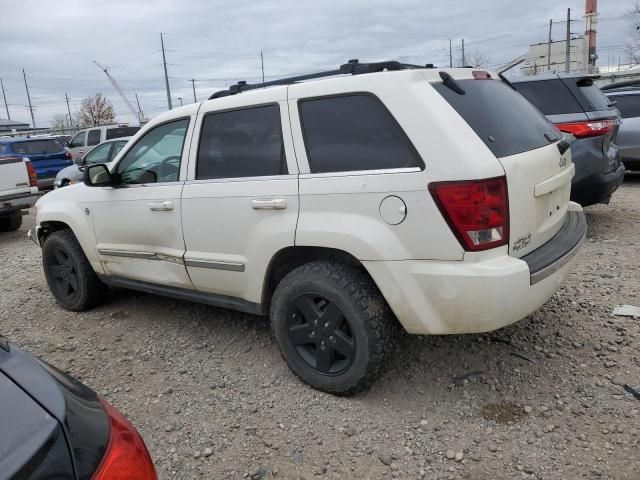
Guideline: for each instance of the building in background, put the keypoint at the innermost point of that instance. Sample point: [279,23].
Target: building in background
[8,127]
[551,56]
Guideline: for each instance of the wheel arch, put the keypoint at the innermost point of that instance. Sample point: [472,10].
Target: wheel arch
[290,258]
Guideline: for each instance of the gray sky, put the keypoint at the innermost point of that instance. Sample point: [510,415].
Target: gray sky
[220,41]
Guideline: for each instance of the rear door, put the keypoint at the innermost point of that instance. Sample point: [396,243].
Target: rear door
[537,164]
[240,202]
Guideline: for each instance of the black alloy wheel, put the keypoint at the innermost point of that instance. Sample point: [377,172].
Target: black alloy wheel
[64,273]
[321,334]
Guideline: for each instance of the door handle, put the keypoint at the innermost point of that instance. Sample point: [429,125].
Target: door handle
[269,203]
[160,206]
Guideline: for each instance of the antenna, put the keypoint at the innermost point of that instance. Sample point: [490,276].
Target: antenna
[135,113]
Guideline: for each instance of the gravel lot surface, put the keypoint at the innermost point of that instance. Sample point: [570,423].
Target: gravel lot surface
[206,387]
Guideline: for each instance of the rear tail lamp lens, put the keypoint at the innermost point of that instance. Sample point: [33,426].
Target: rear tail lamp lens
[33,177]
[126,457]
[477,211]
[68,155]
[588,129]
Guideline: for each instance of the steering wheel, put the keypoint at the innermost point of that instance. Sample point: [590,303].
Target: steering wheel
[169,168]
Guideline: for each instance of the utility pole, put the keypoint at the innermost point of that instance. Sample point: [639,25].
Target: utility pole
[33,120]
[567,54]
[6,105]
[140,113]
[68,110]
[549,46]
[166,76]
[464,60]
[180,98]
[262,65]
[450,55]
[193,84]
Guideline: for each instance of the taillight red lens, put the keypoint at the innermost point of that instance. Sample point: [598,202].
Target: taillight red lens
[33,177]
[68,155]
[481,75]
[588,129]
[477,211]
[126,457]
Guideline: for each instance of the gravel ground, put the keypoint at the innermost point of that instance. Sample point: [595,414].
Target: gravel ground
[207,388]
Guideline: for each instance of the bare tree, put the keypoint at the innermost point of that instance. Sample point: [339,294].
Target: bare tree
[60,122]
[632,47]
[477,59]
[96,110]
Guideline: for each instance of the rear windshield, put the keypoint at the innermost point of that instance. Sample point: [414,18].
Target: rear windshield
[505,121]
[552,97]
[592,97]
[38,147]
[121,132]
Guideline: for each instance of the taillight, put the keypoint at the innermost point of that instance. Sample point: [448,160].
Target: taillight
[68,155]
[588,129]
[481,75]
[477,211]
[33,177]
[126,457]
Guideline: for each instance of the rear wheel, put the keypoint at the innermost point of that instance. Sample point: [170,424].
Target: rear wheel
[70,277]
[333,326]
[10,224]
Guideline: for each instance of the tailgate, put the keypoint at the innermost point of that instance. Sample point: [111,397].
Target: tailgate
[14,178]
[539,186]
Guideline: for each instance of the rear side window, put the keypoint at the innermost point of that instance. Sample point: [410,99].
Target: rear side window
[93,138]
[589,95]
[354,132]
[629,105]
[241,143]
[121,132]
[38,147]
[505,121]
[552,97]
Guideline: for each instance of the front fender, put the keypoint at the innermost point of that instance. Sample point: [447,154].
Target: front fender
[52,208]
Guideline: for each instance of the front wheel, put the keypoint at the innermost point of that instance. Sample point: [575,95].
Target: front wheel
[70,277]
[333,326]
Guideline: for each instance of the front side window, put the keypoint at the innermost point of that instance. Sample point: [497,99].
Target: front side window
[241,143]
[78,140]
[100,154]
[93,138]
[156,156]
[354,132]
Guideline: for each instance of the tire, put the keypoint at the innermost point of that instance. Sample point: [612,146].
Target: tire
[339,305]
[10,224]
[71,279]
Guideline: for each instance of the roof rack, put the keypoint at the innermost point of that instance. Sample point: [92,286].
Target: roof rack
[352,67]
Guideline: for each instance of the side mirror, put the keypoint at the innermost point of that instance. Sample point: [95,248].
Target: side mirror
[97,175]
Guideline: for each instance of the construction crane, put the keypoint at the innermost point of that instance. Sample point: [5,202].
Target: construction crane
[136,113]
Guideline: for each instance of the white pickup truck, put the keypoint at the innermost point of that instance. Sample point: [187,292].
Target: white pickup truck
[18,191]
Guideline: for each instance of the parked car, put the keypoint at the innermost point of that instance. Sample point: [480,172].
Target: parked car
[18,191]
[337,206]
[103,153]
[579,108]
[55,427]
[626,96]
[47,155]
[82,141]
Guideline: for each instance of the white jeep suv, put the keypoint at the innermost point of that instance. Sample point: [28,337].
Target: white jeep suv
[341,206]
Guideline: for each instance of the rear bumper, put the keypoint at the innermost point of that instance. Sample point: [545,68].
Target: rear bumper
[431,297]
[16,203]
[45,183]
[597,188]
[631,164]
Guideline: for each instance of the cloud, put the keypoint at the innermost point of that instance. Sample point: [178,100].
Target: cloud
[219,42]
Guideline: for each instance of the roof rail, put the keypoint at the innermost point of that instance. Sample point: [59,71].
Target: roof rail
[352,67]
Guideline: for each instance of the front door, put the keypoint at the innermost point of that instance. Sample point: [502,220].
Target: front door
[137,224]
[240,201]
